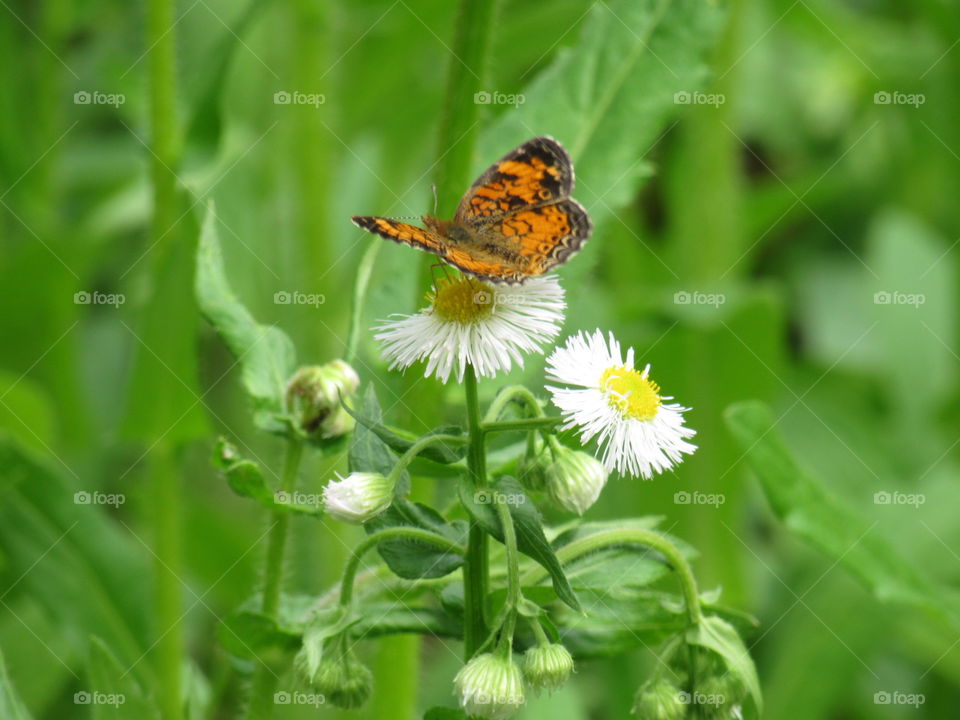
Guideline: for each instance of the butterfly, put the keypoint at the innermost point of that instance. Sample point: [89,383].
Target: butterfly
[516,221]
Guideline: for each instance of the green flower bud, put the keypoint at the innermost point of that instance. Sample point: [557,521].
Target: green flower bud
[660,701]
[313,399]
[490,687]
[344,682]
[547,667]
[574,479]
[358,497]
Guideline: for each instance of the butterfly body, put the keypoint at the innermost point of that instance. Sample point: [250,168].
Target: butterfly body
[516,221]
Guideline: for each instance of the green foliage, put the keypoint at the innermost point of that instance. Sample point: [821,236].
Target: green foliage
[808,510]
[264,353]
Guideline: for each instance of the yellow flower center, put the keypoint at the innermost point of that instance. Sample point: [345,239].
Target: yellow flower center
[463,301]
[630,392]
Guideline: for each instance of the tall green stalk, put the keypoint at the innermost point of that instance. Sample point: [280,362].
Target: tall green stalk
[264,679]
[475,570]
[161,37]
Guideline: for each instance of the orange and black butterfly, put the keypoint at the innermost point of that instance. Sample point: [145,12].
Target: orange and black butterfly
[516,221]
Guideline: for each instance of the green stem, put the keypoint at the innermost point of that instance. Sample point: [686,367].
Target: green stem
[359,294]
[418,447]
[537,423]
[514,393]
[265,679]
[631,536]
[475,569]
[505,646]
[160,23]
[410,533]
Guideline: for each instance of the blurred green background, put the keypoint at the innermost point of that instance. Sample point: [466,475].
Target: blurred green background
[774,187]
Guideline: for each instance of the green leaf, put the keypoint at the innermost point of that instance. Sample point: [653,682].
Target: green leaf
[10,706]
[390,618]
[821,519]
[412,559]
[719,636]
[113,692]
[368,452]
[265,353]
[400,442]
[610,95]
[528,522]
[93,573]
[248,633]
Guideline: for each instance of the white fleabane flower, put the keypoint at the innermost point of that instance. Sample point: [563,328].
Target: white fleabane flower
[357,498]
[490,687]
[638,432]
[470,321]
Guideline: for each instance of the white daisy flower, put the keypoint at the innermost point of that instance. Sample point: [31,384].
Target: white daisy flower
[473,322]
[639,433]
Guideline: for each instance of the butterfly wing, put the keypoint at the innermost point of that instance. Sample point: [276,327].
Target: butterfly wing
[403,233]
[536,173]
[540,238]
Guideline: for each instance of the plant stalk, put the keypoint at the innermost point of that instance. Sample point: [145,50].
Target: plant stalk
[475,569]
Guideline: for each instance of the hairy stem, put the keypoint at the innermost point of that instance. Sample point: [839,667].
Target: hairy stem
[475,570]
[410,533]
[265,679]
[632,536]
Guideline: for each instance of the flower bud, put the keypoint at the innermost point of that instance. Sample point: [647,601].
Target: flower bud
[358,497]
[547,667]
[490,687]
[660,701]
[313,399]
[574,479]
[344,682]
